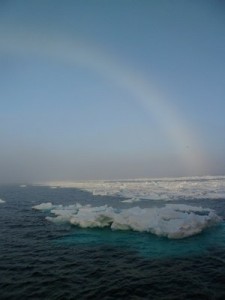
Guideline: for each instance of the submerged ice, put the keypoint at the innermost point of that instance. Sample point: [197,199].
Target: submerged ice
[174,221]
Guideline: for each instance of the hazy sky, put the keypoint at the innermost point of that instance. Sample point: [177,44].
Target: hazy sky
[111,89]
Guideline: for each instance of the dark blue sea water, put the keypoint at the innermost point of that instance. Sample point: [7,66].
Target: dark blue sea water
[42,260]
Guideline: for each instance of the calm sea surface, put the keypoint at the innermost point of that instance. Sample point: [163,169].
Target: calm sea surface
[42,260]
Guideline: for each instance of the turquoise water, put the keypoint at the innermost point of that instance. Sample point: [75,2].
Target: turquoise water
[148,245]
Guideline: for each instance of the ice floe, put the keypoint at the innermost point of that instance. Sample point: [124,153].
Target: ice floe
[174,221]
[2,201]
[43,206]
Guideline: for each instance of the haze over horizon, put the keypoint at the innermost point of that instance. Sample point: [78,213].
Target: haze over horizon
[111,89]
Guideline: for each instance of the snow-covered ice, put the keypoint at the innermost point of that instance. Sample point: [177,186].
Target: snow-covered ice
[185,188]
[173,220]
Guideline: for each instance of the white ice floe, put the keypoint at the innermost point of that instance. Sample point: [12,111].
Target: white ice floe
[185,188]
[43,206]
[2,201]
[172,220]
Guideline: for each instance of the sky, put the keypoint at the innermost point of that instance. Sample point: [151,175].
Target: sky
[111,89]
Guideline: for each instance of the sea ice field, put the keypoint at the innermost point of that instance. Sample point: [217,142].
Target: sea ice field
[149,238]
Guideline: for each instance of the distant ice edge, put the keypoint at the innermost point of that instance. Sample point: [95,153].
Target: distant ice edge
[174,221]
[185,188]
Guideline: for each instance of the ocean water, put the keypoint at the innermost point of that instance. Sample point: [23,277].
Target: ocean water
[41,259]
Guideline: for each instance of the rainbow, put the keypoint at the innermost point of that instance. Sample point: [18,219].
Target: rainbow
[75,52]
